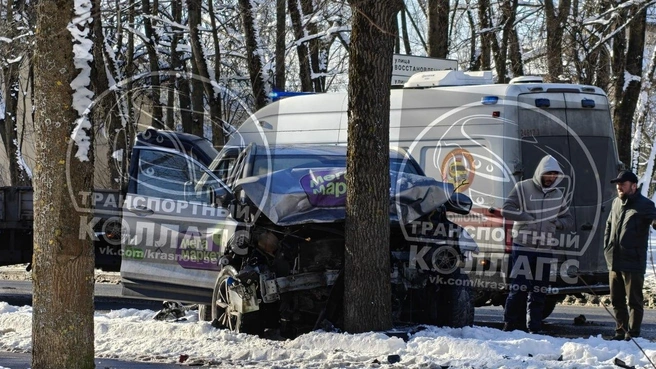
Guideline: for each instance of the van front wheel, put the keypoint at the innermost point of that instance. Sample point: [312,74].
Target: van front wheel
[225,313]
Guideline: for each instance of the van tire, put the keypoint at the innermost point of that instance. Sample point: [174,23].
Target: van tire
[228,318]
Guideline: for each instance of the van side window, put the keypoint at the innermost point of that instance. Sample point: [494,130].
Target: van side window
[162,174]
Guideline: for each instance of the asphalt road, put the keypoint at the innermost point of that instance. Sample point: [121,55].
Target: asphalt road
[107,296]
[561,322]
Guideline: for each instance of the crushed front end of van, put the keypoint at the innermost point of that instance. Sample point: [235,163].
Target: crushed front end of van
[282,271]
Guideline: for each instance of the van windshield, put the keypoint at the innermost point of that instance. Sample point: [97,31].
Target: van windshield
[261,165]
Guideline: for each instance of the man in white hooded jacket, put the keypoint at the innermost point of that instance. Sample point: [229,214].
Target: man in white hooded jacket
[538,208]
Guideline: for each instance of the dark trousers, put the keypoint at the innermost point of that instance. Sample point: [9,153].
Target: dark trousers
[529,276]
[625,285]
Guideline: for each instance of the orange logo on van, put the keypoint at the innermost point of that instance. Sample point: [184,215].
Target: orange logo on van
[458,169]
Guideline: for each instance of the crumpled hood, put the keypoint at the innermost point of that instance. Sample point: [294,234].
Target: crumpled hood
[298,196]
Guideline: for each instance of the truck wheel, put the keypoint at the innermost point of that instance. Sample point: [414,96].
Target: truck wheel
[224,311]
[456,305]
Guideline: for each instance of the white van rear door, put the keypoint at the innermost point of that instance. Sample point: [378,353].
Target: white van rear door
[576,129]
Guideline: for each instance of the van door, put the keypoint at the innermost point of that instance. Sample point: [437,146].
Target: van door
[174,236]
[576,129]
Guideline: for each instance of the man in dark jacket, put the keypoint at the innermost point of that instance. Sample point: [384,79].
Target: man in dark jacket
[625,248]
[538,208]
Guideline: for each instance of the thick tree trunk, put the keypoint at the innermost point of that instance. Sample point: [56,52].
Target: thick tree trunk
[474,52]
[486,35]
[197,87]
[62,321]
[628,97]
[258,84]
[314,47]
[301,49]
[201,68]
[106,108]
[153,60]
[438,28]
[367,289]
[197,102]
[515,55]
[556,23]
[508,11]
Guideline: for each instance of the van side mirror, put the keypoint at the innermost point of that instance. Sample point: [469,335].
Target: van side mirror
[459,203]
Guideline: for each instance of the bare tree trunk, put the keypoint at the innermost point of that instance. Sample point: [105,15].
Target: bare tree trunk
[201,67]
[404,32]
[508,12]
[9,125]
[129,71]
[197,62]
[556,23]
[197,101]
[301,49]
[486,35]
[628,97]
[475,57]
[397,41]
[438,28]
[314,46]
[184,98]
[153,60]
[62,320]
[515,54]
[258,84]
[218,133]
[181,81]
[106,107]
[643,109]
[281,29]
[176,64]
[367,288]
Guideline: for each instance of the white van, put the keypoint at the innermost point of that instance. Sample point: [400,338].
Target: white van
[485,137]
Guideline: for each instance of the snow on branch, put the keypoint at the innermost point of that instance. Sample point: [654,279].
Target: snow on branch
[614,12]
[80,27]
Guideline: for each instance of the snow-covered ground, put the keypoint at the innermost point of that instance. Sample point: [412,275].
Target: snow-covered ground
[133,335]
